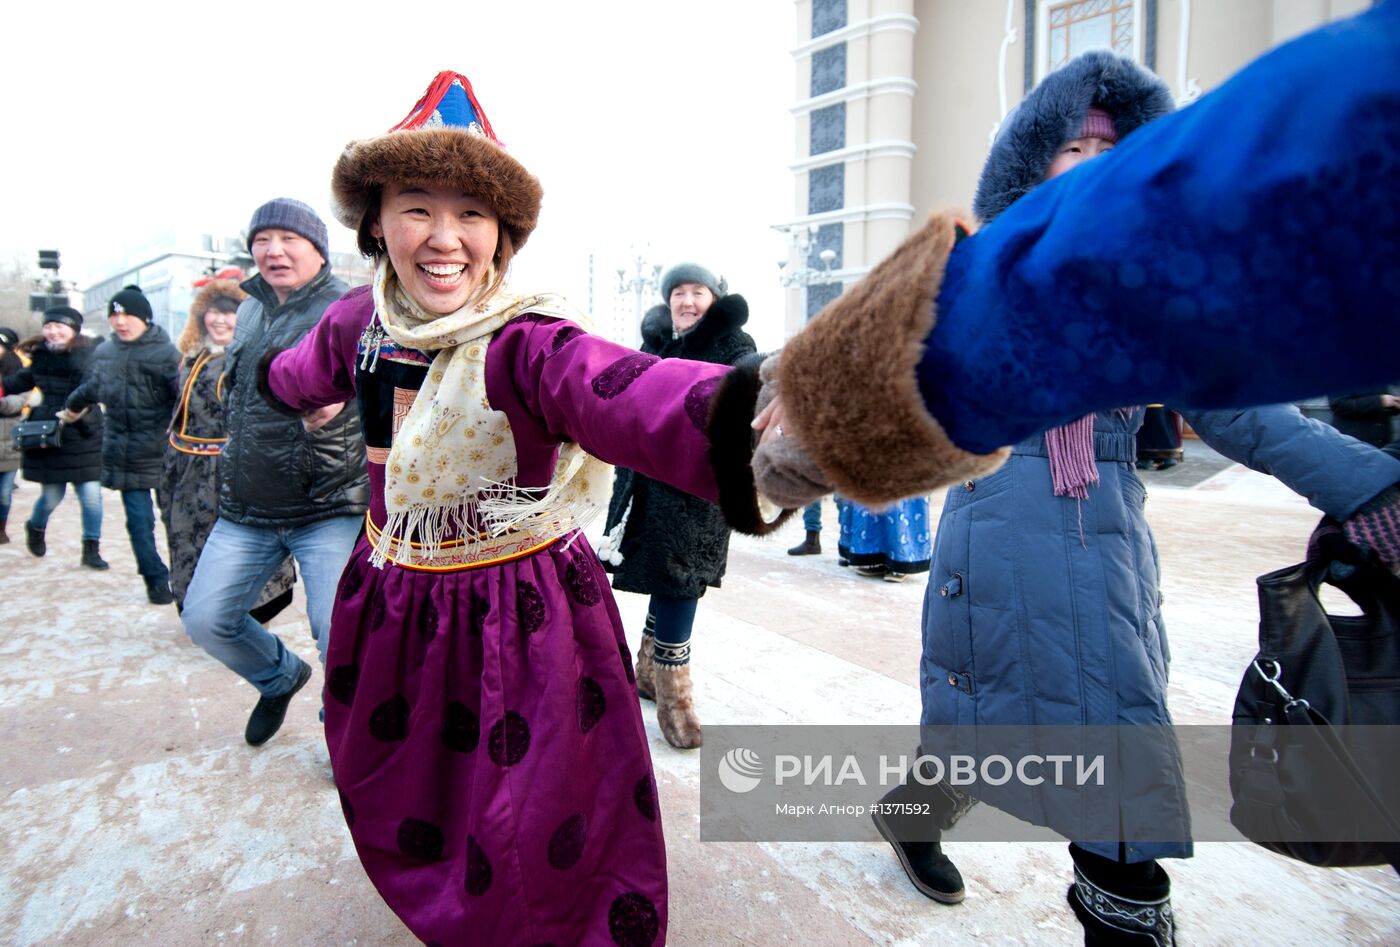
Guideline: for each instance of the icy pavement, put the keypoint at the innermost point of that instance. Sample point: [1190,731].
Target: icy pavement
[131,810]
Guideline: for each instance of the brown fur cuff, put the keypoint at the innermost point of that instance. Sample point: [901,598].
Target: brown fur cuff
[265,386]
[732,439]
[849,387]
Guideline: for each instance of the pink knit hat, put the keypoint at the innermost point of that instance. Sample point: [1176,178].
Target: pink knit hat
[1098,124]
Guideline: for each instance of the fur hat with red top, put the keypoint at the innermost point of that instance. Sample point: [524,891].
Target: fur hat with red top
[446,140]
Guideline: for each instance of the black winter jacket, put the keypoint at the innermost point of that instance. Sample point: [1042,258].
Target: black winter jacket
[274,473]
[676,544]
[1364,417]
[56,375]
[137,385]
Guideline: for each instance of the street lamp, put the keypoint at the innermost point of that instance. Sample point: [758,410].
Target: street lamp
[640,283]
[800,240]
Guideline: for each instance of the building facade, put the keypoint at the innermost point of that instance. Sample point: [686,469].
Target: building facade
[897,101]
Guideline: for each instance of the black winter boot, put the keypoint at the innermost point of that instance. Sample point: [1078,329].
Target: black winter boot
[917,838]
[34,540]
[1121,904]
[811,546]
[91,557]
[4,536]
[158,591]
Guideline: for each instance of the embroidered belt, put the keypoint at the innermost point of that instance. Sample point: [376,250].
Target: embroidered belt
[199,446]
[460,554]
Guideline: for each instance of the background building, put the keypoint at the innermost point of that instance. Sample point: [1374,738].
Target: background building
[897,101]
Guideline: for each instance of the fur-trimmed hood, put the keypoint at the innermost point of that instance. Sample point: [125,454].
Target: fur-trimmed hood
[1034,131]
[725,315]
[192,338]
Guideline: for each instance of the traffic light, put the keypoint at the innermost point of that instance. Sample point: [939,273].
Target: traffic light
[48,260]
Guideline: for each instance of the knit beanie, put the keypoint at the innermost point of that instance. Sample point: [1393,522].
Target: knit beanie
[131,301]
[1098,124]
[8,337]
[67,315]
[691,273]
[284,213]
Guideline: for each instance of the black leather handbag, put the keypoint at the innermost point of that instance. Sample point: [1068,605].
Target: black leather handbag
[1315,750]
[38,435]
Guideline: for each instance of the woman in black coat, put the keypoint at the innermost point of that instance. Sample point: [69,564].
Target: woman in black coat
[59,359]
[663,542]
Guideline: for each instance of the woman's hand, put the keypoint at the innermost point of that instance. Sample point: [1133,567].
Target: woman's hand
[70,417]
[317,418]
[770,421]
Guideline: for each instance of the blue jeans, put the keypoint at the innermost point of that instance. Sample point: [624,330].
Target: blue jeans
[812,516]
[7,490]
[141,528]
[233,567]
[89,495]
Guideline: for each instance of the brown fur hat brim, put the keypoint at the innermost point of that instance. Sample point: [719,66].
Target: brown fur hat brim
[849,387]
[437,157]
[192,338]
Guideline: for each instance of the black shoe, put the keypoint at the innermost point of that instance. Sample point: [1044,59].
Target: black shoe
[34,540]
[811,546]
[266,718]
[157,590]
[932,872]
[92,557]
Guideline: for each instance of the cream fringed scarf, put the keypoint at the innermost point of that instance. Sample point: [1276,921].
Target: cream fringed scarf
[454,452]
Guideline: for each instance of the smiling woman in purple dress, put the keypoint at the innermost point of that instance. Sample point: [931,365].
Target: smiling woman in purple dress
[481,712]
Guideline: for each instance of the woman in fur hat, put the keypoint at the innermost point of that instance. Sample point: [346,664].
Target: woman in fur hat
[1048,609]
[189,486]
[665,542]
[481,711]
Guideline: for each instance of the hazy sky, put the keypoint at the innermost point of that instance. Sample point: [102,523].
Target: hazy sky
[661,123]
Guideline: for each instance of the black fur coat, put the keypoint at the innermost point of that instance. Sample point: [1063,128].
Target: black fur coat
[675,544]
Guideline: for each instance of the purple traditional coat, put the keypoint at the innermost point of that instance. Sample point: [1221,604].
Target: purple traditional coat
[483,724]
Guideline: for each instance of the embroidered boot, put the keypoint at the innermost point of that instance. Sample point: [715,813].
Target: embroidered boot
[675,702]
[646,667]
[91,557]
[1121,905]
[34,540]
[811,546]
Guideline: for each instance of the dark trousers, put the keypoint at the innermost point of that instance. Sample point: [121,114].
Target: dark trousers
[141,527]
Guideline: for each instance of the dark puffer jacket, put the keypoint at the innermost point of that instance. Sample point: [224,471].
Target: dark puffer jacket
[136,383]
[274,472]
[56,375]
[675,544]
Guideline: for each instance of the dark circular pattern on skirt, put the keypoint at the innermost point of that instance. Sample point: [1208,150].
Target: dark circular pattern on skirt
[376,613]
[592,703]
[352,580]
[476,623]
[421,840]
[566,844]
[698,398]
[347,809]
[529,606]
[388,723]
[461,730]
[562,336]
[582,584]
[428,620]
[617,377]
[633,921]
[342,681]
[479,872]
[644,798]
[509,740]
[627,663]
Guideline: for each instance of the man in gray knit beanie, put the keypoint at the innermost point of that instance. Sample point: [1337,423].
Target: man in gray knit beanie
[285,213]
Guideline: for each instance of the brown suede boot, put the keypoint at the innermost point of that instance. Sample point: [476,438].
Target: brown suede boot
[646,668]
[675,707]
